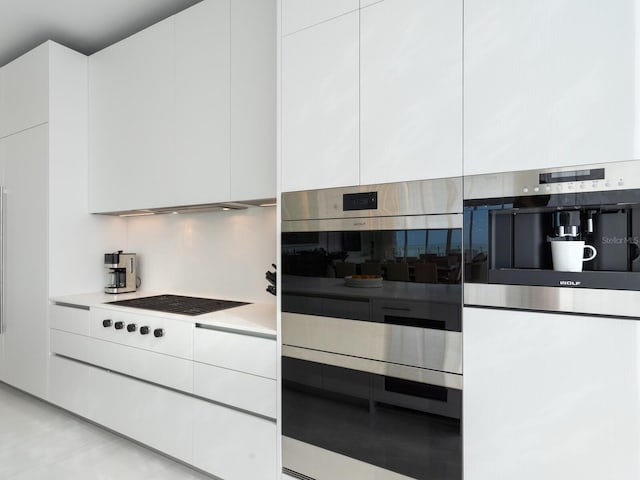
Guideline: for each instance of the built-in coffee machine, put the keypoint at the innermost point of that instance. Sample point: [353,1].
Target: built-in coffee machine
[576,228]
[120,272]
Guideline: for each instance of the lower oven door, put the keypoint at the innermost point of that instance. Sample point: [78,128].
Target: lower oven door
[343,417]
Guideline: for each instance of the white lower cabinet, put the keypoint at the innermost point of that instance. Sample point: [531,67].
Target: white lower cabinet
[550,396]
[68,385]
[153,415]
[233,445]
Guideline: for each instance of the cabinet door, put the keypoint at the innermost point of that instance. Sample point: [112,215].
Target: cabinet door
[26,339]
[299,14]
[550,396]
[549,84]
[24,91]
[253,99]
[200,172]
[147,413]
[132,122]
[410,90]
[233,445]
[320,106]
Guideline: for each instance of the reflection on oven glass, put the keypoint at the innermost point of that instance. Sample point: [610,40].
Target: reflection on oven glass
[419,256]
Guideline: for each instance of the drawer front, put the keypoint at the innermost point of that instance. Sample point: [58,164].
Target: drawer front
[234,445]
[177,339]
[151,366]
[70,319]
[244,353]
[69,384]
[238,389]
[147,413]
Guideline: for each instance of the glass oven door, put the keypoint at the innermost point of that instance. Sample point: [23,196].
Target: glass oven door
[372,347]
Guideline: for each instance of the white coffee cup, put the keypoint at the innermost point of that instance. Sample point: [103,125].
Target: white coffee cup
[568,255]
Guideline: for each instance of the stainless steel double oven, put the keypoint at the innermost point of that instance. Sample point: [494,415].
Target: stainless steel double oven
[371,331]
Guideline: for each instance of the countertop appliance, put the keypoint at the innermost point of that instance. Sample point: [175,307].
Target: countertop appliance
[120,272]
[551,357]
[371,331]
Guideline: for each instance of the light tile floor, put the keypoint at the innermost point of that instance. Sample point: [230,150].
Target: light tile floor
[41,442]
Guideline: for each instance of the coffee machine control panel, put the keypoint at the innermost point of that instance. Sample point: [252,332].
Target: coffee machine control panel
[577,179]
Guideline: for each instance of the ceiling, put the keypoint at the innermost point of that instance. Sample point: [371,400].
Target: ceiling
[83,25]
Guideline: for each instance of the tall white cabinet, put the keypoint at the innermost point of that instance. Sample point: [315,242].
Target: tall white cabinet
[549,84]
[51,245]
[183,112]
[371,93]
[550,396]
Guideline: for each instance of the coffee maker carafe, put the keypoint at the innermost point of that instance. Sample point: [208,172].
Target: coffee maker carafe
[120,272]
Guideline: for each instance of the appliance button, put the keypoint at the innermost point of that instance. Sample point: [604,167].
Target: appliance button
[607,183]
[594,184]
[525,190]
[547,188]
[536,189]
[106,323]
[158,332]
[620,183]
[119,325]
[581,184]
[144,330]
[131,327]
[570,186]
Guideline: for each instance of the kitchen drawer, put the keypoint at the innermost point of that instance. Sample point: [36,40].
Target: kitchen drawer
[176,341]
[242,390]
[244,353]
[70,319]
[155,416]
[69,384]
[151,366]
[233,445]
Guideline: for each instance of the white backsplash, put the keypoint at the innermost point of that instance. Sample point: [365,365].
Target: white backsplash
[220,254]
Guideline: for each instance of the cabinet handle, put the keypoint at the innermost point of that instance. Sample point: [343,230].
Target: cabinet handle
[397,309]
[2,263]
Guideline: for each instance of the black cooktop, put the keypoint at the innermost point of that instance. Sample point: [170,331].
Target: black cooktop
[178,304]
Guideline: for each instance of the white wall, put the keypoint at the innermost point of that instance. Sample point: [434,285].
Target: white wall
[220,254]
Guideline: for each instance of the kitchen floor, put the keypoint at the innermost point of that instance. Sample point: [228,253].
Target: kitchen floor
[41,442]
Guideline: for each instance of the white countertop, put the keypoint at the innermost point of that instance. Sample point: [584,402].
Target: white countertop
[256,318]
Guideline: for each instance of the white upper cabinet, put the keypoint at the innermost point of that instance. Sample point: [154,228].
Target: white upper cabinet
[299,14]
[24,92]
[131,123]
[253,99]
[549,83]
[175,107]
[410,90]
[202,104]
[320,105]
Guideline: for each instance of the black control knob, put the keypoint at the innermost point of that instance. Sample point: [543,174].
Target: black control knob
[119,325]
[131,327]
[106,323]
[158,332]
[144,330]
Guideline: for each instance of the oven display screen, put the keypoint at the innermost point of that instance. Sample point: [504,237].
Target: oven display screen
[360,201]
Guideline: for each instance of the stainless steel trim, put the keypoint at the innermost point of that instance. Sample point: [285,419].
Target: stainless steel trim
[204,326]
[438,350]
[421,197]
[72,305]
[375,223]
[612,303]
[422,375]
[618,176]
[320,464]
